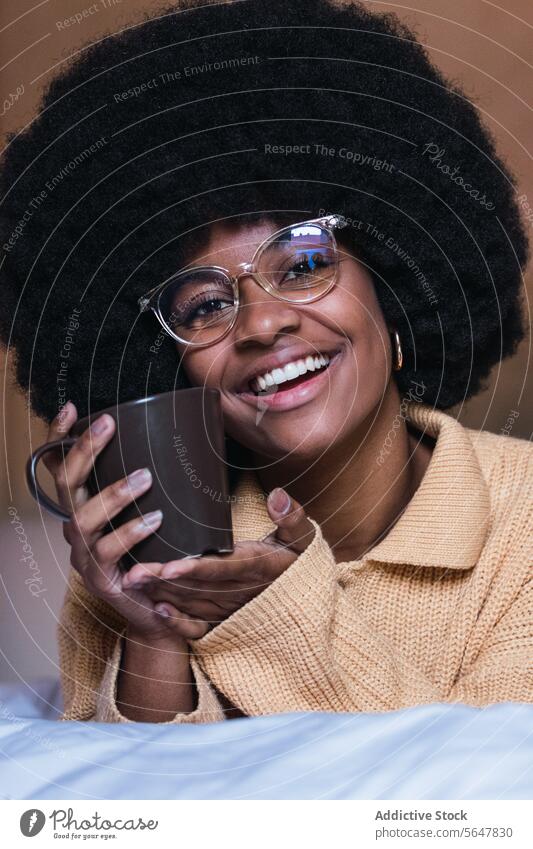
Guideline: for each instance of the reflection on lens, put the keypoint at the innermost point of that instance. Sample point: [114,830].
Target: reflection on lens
[197,301]
[300,258]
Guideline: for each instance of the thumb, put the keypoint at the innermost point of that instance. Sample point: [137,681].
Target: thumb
[294,529]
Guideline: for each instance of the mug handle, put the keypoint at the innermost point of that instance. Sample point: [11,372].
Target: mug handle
[33,484]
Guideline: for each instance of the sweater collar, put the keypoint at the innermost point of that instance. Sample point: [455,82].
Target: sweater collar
[444,524]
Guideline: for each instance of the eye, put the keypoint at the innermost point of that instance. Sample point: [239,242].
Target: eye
[307,265]
[200,297]
[206,306]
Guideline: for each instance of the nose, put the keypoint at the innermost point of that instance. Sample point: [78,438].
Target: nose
[261,315]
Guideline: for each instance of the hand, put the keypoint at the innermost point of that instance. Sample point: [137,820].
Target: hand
[212,587]
[96,555]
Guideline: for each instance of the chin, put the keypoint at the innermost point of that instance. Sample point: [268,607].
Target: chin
[296,448]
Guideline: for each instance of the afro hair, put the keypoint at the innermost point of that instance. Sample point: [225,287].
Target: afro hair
[251,109]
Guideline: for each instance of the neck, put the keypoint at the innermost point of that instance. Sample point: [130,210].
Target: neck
[354,498]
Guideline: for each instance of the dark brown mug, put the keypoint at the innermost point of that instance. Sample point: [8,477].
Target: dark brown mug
[179,436]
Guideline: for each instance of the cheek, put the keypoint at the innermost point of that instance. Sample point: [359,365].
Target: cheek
[357,314]
[200,368]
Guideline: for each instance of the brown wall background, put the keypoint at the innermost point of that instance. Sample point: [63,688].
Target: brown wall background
[478,42]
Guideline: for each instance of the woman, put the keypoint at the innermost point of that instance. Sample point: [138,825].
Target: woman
[383,551]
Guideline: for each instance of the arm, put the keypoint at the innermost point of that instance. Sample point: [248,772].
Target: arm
[504,669]
[169,693]
[91,641]
[302,644]
[154,683]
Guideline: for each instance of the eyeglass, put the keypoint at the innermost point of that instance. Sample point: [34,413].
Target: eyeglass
[199,304]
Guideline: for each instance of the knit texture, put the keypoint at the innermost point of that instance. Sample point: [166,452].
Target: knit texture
[440,610]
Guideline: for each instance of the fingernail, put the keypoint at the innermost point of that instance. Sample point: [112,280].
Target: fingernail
[150,520]
[138,479]
[162,612]
[280,501]
[99,426]
[64,411]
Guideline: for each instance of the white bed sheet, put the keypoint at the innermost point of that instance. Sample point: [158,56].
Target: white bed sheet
[437,751]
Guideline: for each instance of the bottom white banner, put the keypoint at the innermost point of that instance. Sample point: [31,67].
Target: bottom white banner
[267,824]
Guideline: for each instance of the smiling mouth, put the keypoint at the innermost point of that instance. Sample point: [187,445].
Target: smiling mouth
[286,385]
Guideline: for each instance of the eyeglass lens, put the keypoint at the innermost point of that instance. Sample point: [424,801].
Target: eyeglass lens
[298,263]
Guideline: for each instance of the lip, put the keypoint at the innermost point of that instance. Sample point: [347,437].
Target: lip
[287,355]
[289,399]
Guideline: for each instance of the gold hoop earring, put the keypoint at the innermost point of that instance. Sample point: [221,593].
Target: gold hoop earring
[397,348]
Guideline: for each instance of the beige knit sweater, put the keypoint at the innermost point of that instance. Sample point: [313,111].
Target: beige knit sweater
[441,610]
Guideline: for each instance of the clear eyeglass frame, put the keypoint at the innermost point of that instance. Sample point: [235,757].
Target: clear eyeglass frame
[151,300]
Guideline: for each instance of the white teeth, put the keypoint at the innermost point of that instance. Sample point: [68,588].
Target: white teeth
[289,371]
[279,375]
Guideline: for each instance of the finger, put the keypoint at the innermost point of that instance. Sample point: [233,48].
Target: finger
[213,567]
[245,562]
[141,574]
[148,575]
[72,472]
[205,609]
[114,545]
[293,527]
[59,429]
[211,607]
[191,588]
[181,623]
[252,562]
[92,517]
